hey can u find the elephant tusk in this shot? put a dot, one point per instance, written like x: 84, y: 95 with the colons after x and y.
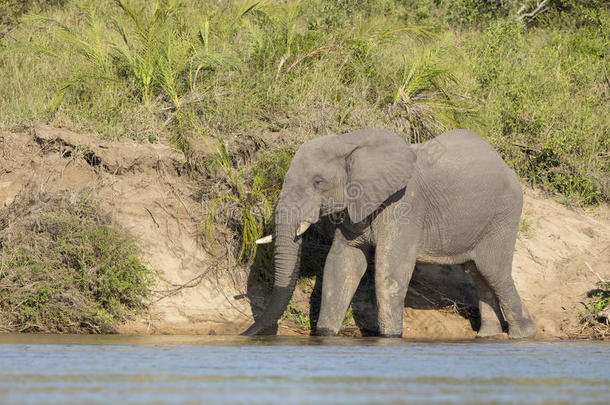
x: 265, y: 239
x: 302, y: 228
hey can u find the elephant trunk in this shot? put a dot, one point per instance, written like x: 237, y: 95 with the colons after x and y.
x: 286, y: 263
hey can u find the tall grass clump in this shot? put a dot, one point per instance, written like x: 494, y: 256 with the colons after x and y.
x: 242, y: 209
x: 244, y: 199
x: 422, y: 101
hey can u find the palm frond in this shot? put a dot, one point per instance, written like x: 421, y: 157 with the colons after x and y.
x: 422, y: 100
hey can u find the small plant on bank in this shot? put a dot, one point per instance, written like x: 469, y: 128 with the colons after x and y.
x: 526, y: 227
x: 595, y: 320
x: 297, y: 316
x: 349, y: 316
x: 601, y: 300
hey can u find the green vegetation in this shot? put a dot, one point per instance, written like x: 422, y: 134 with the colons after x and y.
x: 63, y: 268
x: 601, y: 301
x: 349, y: 316
x: 526, y: 228
x: 297, y: 316
x: 595, y: 320
x: 11, y: 10
x: 546, y: 109
x: 241, y: 207
x: 533, y: 82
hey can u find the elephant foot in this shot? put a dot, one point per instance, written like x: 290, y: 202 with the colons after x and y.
x: 391, y: 335
x: 491, y: 335
x: 252, y: 330
x: 489, y: 330
x: 524, y: 329
x: 324, y: 332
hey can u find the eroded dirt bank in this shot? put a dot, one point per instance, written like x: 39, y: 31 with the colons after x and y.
x: 149, y: 196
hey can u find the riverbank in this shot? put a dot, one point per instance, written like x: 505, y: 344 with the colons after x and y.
x: 148, y: 195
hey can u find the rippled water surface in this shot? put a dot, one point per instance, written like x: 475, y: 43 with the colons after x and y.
x: 207, y: 370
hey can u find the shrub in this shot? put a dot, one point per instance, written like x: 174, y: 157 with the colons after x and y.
x: 64, y: 268
x: 576, y: 13
x: 469, y: 12
x: 542, y: 105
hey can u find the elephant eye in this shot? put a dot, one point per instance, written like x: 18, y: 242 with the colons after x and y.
x: 318, y: 182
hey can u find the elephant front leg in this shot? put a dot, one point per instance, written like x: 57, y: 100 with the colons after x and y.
x: 344, y: 267
x: 393, y: 270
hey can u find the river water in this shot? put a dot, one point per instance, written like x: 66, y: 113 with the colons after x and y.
x: 55, y: 369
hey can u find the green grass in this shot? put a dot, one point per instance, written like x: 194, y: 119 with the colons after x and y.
x: 545, y: 106
x: 180, y: 69
x: 183, y: 70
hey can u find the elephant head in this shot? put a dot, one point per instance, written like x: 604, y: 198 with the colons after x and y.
x: 354, y: 172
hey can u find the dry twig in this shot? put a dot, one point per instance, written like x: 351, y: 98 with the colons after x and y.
x: 596, y: 273
x: 541, y: 6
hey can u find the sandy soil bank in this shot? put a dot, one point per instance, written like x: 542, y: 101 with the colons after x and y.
x: 150, y: 197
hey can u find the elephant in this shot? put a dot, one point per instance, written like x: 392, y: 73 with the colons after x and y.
x: 449, y: 200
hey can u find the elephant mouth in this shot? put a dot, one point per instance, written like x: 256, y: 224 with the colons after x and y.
x: 331, y: 208
x: 337, y: 217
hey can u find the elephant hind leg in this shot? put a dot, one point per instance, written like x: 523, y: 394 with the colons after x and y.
x: 494, y: 263
x: 492, y: 320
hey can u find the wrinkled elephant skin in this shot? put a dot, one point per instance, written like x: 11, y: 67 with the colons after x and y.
x: 450, y: 200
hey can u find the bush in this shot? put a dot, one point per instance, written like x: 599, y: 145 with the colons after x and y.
x: 544, y: 106
x: 469, y: 12
x: 63, y: 268
x: 596, y: 320
x: 577, y: 13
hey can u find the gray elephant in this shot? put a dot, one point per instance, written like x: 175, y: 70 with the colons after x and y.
x: 450, y: 200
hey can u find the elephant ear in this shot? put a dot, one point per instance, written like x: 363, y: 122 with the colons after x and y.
x: 376, y: 169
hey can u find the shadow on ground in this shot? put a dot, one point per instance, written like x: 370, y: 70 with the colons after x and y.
x: 432, y: 287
